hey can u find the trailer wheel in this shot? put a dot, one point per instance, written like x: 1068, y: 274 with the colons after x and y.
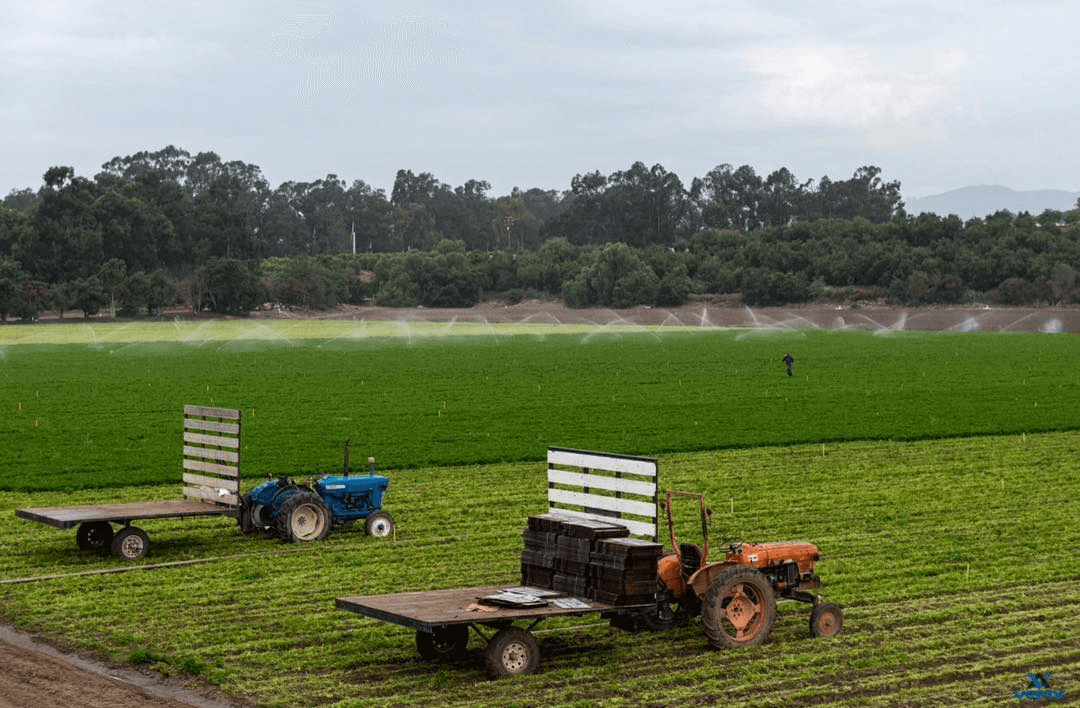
x: 380, y: 524
x: 826, y: 620
x: 511, y: 652
x: 739, y: 608
x: 130, y: 543
x: 94, y: 535
x: 304, y: 516
x: 444, y: 645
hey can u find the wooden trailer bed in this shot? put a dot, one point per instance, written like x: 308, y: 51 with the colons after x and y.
x: 430, y: 610
x: 583, y: 486
x: 211, y: 487
x: 66, y: 517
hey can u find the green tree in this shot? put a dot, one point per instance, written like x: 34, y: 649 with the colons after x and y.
x: 86, y: 294
x: 131, y: 228
x: 512, y: 224
x: 619, y: 278
x: 112, y: 275
x: 66, y: 242
x: 11, y: 279
x: 304, y: 281
x: 546, y: 271
x: 230, y: 287
x: 152, y: 291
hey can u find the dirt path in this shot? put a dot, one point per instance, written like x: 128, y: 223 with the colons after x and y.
x: 36, y: 674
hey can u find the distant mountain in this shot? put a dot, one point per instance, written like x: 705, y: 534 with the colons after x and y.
x: 983, y: 200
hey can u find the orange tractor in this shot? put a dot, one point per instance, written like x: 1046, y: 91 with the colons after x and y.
x: 736, y: 597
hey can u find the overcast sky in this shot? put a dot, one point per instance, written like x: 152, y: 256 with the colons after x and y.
x: 939, y: 94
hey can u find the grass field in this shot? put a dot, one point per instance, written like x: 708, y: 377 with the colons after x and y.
x: 955, y: 557
x: 104, y: 410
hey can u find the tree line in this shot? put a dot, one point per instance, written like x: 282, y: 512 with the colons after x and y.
x: 154, y: 229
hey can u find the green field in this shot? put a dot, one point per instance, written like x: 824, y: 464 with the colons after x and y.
x: 936, y: 472
x: 105, y: 410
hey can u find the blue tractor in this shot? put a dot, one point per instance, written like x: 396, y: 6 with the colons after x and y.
x: 306, y: 512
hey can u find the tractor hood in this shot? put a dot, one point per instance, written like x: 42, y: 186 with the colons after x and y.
x: 763, y: 555
x: 338, y: 485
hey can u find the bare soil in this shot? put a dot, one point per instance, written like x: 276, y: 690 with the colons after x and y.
x: 38, y: 674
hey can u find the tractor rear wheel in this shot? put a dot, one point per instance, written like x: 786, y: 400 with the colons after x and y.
x: 826, y: 620
x: 380, y: 524
x: 739, y: 608
x: 94, y: 535
x: 130, y: 543
x: 304, y: 516
x: 511, y: 652
x: 444, y: 645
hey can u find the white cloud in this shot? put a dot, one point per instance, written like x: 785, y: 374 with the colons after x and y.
x: 854, y: 89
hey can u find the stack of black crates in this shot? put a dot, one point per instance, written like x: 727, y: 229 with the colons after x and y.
x: 588, y: 558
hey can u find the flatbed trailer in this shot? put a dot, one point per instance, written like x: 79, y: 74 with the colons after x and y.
x: 211, y: 479
x: 442, y: 619
x: 584, y: 486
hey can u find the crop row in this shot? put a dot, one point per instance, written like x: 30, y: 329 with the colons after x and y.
x: 954, y: 559
x: 107, y: 414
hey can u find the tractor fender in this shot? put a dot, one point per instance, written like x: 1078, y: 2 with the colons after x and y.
x: 703, y: 578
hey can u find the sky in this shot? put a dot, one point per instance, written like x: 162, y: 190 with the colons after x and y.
x: 939, y: 94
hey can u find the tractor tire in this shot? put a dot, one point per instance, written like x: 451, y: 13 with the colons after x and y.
x: 246, y: 518
x: 130, y: 543
x: 380, y: 524
x: 739, y: 608
x: 444, y: 645
x: 94, y: 535
x: 512, y: 652
x: 303, y: 517
x: 826, y: 620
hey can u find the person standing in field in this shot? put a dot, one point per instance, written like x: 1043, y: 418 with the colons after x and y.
x: 789, y: 361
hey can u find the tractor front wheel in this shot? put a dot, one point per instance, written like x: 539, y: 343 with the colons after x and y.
x: 130, y: 543
x: 444, y: 645
x: 304, y: 516
x: 739, y: 608
x: 380, y: 524
x: 826, y: 620
x: 94, y: 535
x: 511, y: 652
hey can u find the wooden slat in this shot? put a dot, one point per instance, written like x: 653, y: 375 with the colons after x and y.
x: 596, y: 501
x: 210, y: 412
x: 601, y: 471
x: 233, y: 485
x: 211, y: 496
x: 643, y: 466
x: 595, y: 481
x: 211, y: 440
x: 208, y: 453
x: 223, y: 470
x: 638, y: 528
x: 212, y: 425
